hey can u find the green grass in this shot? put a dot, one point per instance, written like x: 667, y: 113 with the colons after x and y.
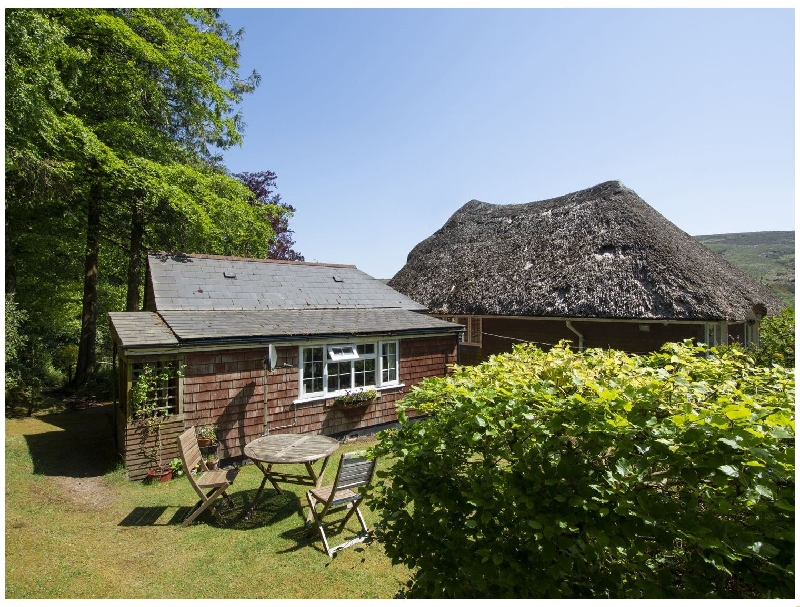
x: 77, y: 528
x: 766, y: 256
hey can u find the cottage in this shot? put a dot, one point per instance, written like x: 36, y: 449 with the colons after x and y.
x: 599, y: 267
x: 266, y: 346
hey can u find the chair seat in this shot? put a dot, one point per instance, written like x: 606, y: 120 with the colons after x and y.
x: 214, y: 482
x: 217, y: 478
x: 323, y: 494
x: 355, y: 471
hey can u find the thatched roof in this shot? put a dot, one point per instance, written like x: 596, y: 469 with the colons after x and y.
x: 597, y: 253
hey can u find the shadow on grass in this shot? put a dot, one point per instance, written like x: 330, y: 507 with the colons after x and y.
x: 350, y: 537
x: 83, y: 447
x: 236, y: 516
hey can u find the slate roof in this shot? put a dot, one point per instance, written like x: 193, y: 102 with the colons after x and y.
x: 141, y: 329
x: 207, y: 282
x: 195, y: 299
x: 602, y: 252
x: 285, y: 324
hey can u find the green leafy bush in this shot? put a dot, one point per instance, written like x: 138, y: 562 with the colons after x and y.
x: 601, y: 474
x: 776, y: 339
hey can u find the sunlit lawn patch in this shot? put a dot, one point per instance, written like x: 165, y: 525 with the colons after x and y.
x: 77, y: 528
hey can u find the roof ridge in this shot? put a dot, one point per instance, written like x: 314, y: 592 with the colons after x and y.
x: 255, y: 259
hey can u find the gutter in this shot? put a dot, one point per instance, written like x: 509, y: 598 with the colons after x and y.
x: 260, y: 342
x: 576, y: 332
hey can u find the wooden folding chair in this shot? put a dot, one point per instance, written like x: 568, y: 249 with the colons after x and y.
x: 355, y: 471
x: 211, y: 484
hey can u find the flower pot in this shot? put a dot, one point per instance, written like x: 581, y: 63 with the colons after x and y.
x: 212, y: 465
x: 161, y: 474
x: 203, y: 442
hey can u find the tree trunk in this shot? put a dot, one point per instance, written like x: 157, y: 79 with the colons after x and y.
x: 11, y: 266
x: 135, y: 258
x: 86, y: 349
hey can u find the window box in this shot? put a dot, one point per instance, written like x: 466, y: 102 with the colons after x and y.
x: 354, y: 399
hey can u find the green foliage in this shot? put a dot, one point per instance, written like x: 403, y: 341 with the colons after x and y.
x: 123, y: 109
x: 148, y: 408
x: 595, y: 474
x: 177, y: 466
x: 208, y: 431
x: 15, y: 342
x: 776, y: 339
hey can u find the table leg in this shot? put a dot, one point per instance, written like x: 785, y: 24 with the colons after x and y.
x: 318, y: 478
x: 267, y: 476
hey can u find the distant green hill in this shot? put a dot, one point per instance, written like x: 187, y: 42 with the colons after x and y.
x: 767, y: 256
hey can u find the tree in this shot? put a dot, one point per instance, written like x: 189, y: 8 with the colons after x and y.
x: 114, y: 117
x: 595, y: 474
x: 262, y: 184
x: 776, y: 339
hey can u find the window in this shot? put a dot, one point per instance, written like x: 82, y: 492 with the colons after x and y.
x: 716, y: 334
x: 332, y: 369
x: 473, y: 329
x: 165, y: 389
x: 389, y: 361
x: 338, y: 353
x: 313, y: 366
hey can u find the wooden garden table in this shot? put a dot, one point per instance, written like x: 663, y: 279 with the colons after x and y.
x: 306, y: 449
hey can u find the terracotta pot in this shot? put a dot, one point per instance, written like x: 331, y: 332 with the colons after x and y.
x: 203, y: 442
x: 212, y: 465
x: 162, y: 474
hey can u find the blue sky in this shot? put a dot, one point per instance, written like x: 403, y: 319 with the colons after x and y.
x: 381, y: 123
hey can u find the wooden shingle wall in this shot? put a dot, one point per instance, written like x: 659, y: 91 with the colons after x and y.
x: 227, y: 388
x: 136, y: 442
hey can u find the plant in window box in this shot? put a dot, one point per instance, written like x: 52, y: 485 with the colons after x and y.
x: 355, y: 398
x: 151, y: 413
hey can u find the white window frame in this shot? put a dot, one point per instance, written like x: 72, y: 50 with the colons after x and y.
x: 339, y: 353
x: 716, y: 334
x: 332, y: 355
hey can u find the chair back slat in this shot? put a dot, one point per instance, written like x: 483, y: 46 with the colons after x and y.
x: 190, y: 454
x: 355, y: 470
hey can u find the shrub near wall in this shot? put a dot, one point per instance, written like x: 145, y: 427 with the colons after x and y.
x: 601, y: 474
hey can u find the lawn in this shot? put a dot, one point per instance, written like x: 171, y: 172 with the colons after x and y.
x: 77, y: 528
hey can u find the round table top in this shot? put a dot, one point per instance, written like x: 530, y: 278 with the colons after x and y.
x: 291, y: 448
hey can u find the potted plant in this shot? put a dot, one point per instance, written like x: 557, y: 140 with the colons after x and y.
x: 206, y: 435
x: 152, y: 415
x: 177, y: 467
x: 211, y: 461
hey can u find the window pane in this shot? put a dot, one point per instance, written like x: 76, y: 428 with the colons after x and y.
x: 312, y: 370
x: 365, y: 372
x: 364, y: 349
x: 341, y: 353
x: 389, y: 362
x: 339, y: 376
